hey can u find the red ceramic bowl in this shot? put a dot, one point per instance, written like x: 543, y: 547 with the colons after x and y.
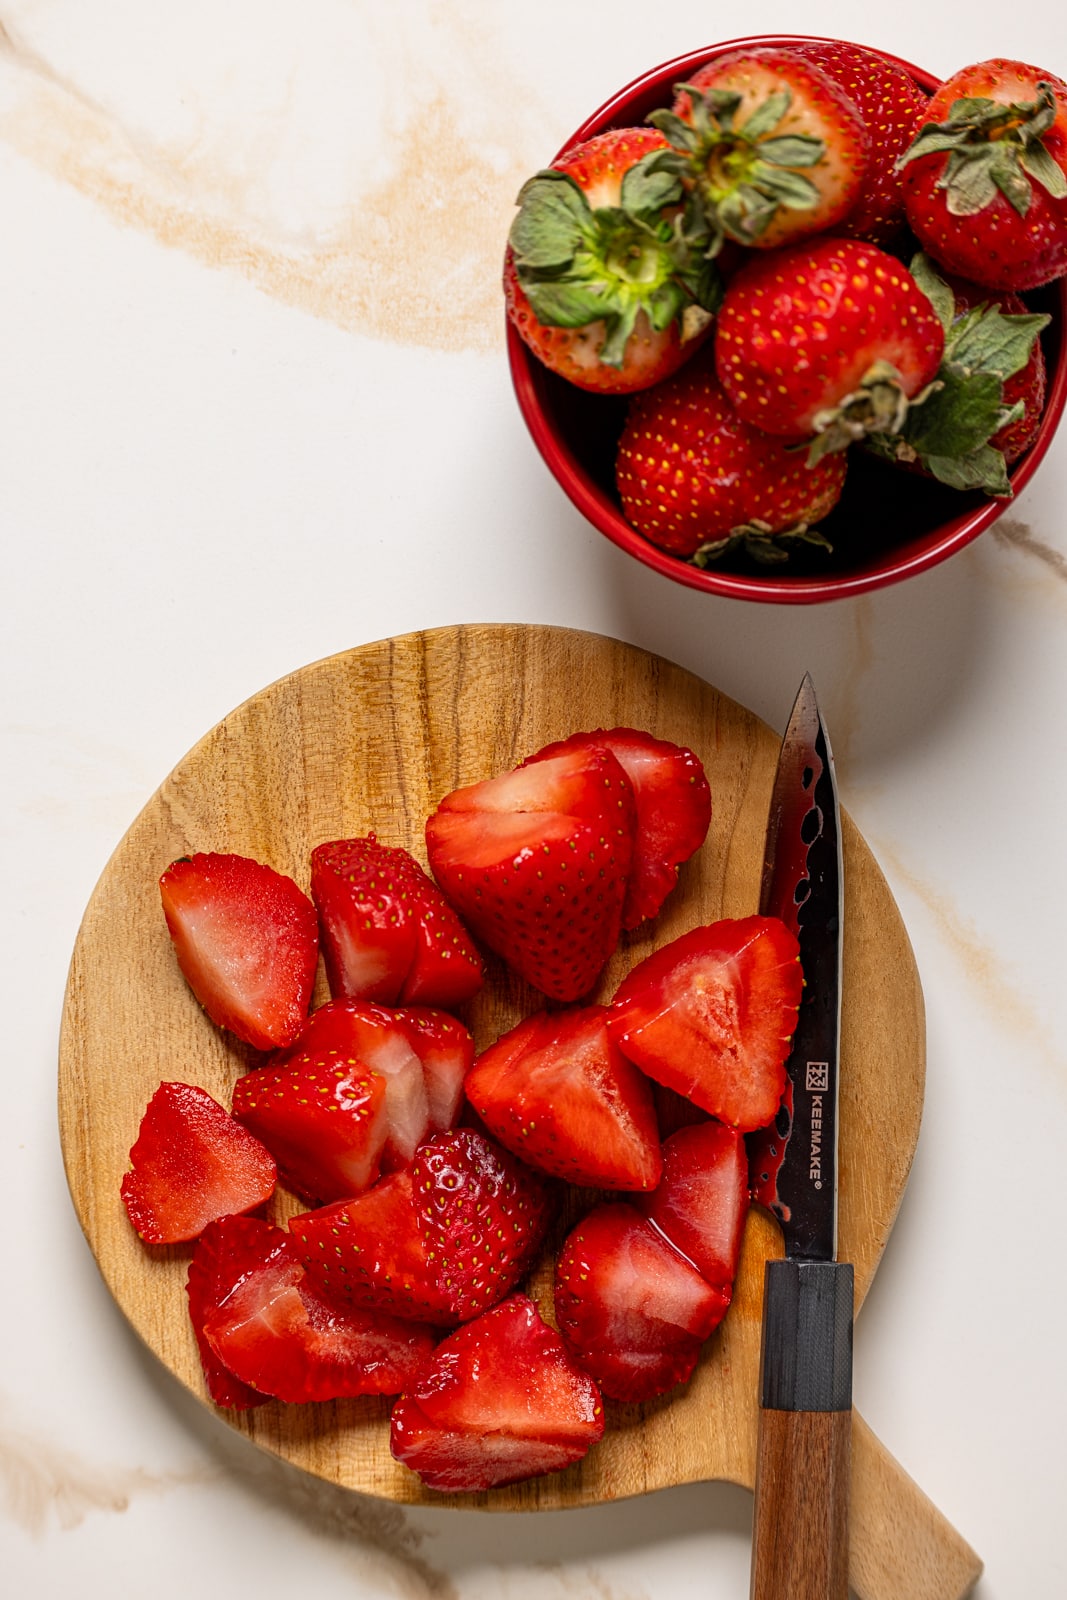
x: 888, y: 525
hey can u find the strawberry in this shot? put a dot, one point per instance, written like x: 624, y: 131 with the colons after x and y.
x: 558, y: 1093
x: 501, y: 1400
x: 985, y: 179
x: 322, y: 1117
x: 673, y: 803
x: 191, y: 1163
x: 277, y: 1337
x: 224, y: 1253
x: 388, y: 933
x: 601, y: 281
x: 701, y: 1202
x: 832, y: 338
x: 369, y: 1252
x: 771, y: 147
x: 631, y: 1309
x: 699, y: 481
x: 537, y: 862
x: 246, y: 939
x: 892, y: 106
x: 436, y: 1242
x: 482, y: 1216
x: 446, y: 1051
x: 711, y: 1015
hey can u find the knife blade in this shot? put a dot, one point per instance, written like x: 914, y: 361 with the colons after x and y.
x: 800, y: 1527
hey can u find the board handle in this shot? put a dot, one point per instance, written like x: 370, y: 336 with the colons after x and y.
x: 800, y: 1528
x: 901, y: 1547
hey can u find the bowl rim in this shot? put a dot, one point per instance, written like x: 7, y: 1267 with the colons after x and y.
x: 905, y: 560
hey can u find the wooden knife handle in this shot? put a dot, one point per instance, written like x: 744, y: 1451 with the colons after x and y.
x: 803, y: 1456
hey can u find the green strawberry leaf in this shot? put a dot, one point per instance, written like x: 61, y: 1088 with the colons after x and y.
x: 567, y: 305
x: 647, y: 190
x: 552, y: 223
x: 767, y: 115
x: 792, y: 150
x: 962, y: 414
x: 984, y: 468
x: 934, y: 288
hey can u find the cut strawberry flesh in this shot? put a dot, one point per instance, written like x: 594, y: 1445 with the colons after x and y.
x: 501, y: 1400
x: 701, y: 1202
x: 711, y: 1015
x: 631, y: 1309
x: 446, y: 1050
x: 192, y: 1163
x: 559, y: 1094
x: 322, y: 1117
x: 246, y: 939
x: 225, y: 1252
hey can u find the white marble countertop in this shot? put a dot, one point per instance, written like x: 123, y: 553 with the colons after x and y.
x: 256, y: 410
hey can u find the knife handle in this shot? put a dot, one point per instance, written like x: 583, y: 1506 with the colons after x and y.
x: 803, y: 1456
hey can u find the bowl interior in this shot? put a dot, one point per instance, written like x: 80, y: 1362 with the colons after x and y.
x: 888, y: 525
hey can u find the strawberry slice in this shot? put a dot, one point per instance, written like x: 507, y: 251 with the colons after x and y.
x: 673, y: 802
x: 225, y: 1252
x: 246, y: 939
x: 482, y: 1216
x: 369, y: 1252
x: 711, y: 1015
x: 322, y: 1116
x: 501, y: 1400
x: 388, y: 933
x: 191, y: 1163
x: 278, y: 1337
x: 631, y: 1309
x: 561, y: 1095
x: 702, y: 1200
x: 446, y: 1050
x: 537, y: 862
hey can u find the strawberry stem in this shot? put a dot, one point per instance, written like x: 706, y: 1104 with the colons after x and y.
x: 993, y: 147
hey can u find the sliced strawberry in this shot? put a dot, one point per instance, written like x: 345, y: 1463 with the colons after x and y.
x: 631, y: 1309
x: 711, y: 1015
x: 501, y: 1400
x: 673, y: 802
x: 560, y: 1094
x: 388, y: 933
x: 246, y: 939
x: 537, y: 861
x: 191, y: 1163
x: 369, y: 1252
x: 322, y: 1116
x: 278, y: 1337
x: 481, y: 1214
x: 225, y: 1253
x: 702, y: 1199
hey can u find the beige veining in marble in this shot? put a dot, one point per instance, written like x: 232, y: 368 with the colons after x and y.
x: 1017, y: 535
x: 380, y: 204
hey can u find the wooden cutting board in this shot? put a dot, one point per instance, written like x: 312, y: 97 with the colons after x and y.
x: 370, y: 740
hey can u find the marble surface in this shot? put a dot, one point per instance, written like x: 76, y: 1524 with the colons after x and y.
x: 256, y: 410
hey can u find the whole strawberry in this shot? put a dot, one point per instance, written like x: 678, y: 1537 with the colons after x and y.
x: 985, y: 181
x: 831, y: 337
x: 600, y: 279
x: 771, y: 148
x: 893, y: 108
x: 698, y: 480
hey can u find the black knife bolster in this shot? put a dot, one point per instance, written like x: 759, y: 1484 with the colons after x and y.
x: 806, y: 1358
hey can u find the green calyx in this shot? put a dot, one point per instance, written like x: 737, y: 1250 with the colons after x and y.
x: 878, y: 406
x: 741, y: 173
x: 758, y: 540
x: 993, y: 148
x: 578, y: 264
x: 947, y: 430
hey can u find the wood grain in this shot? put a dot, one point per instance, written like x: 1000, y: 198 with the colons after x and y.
x: 800, y: 1529
x: 370, y: 740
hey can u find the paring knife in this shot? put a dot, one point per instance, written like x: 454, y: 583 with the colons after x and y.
x: 800, y: 1533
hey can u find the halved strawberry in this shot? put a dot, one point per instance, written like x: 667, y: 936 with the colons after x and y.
x: 559, y: 1093
x: 701, y: 1202
x: 482, y: 1216
x: 537, y: 861
x: 280, y: 1338
x: 673, y: 803
x: 500, y: 1400
x: 388, y: 933
x: 631, y: 1309
x: 322, y: 1116
x: 711, y: 1015
x: 246, y: 939
x: 224, y: 1254
x: 191, y: 1163
x: 421, y: 1053
x: 369, y: 1252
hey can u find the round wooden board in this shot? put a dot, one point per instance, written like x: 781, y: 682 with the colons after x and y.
x: 370, y: 740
